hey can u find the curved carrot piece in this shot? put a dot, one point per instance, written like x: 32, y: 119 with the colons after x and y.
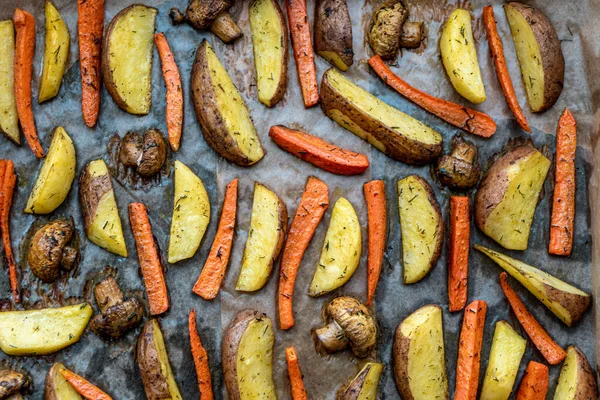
x: 8, y: 180
x: 377, y: 227
x: 458, y: 257
x: 84, y: 387
x: 296, y: 384
x: 469, y: 351
x: 534, y: 384
x: 200, y: 360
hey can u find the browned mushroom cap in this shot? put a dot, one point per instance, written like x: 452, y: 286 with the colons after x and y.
x: 49, y: 250
x: 386, y: 28
x: 130, y: 149
x: 209, y: 14
x: 412, y: 35
x: 154, y: 153
x: 12, y: 382
x: 459, y: 170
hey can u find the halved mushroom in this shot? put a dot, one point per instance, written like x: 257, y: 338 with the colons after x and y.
x: 50, y: 249
x: 146, y: 153
x: 12, y: 383
x: 459, y: 170
x: 130, y: 151
x: 209, y: 14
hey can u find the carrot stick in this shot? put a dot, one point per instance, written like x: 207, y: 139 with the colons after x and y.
x: 84, y: 387
x: 377, y: 216
x: 497, y: 51
x: 303, y: 51
x: 90, y: 24
x: 209, y: 282
x: 467, y: 119
x: 458, y: 258
x: 551, y: 351
x: 24, y: 51
x: 563, y: 203
x: 296, y: 383
x: 469, y: 351
x: 200, y: 360
x: 150, y: 265
x: 309, y: 213
x: 7, y: 189
x: 534, y: 385
x: 174, y: 93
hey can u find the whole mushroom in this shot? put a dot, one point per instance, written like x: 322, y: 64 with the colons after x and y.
x: 459, y: 170
x: 209, y: 14
x: 12, y: 383
x: 50, y: 249
x: 146, y: 153
x: 130, y: 152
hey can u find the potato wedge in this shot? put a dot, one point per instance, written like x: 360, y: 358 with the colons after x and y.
x: 221, y: 111
x: 539, y: 53
x: 507, y: 350
x: 459, y: 56
x: 577, y: 379
x: 341, y: 251
x: 56, y: 52
x: 508, y: 195
x: 9, y: 120
x: 422, y: 227
x: 268, y: 224
x: 43, y: 331
x: 248, y: 357
x: 270, y: 45
x: 127, y: 58
x: 99, y: 208
x: 364, y: 385
x: 419, y: 363
x: 391, y: 131
x: 153, y: 361
x: 56, y: 386
x: 54, y: 180
x: 333, y: 33
x: 191, y: 214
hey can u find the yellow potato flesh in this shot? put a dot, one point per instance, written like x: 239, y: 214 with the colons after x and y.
x: 566, y: 389
x: 56, y: 52
x: 9, y: 121
x: 371, y: 383
x: 63, y: 389
x: 163, y: 360
x: 333, y: 58
x: 45, y: 331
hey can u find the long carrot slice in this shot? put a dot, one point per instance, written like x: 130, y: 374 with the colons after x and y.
x: 467, y: 119
x: 377, y: 216
x: 200, y: 360
x: 303, y: 51
x: 310, y: 211
x: 563, y: 203
x: 469, y: 351
x: 84, y: 387
x: 150, y: 265
x: 24, y: 51
x: 458, y: 258
x: 318, y: 152
x: 551, y: 351
x: 296, y: 384
x: 174, y: 92
x: 534, y: 384
x: 497, y: 51
x: 90, y: 24
x: 209, y: 282
x: 8, y: 180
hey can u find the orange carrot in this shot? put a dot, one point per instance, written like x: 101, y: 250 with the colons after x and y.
x: 551, y: 351
x: 318, y: 152
x: 303, y: 51
x: 83, y: 387
x: 497, y: 51
x: 296, y: 383
x: 563, y: 203
x: 469, y: 351
x: 24, y: 51
x: 90, y: 24
x: 458, y: 258
x: 174, y: 92
x: 377, y: 216
x: 309, y: 213
x: 469, y: 120
x: 534, y: 385
x: 8, y: 180
x: 150, y: 265
x: 200, y: 360
x: 209, y: 282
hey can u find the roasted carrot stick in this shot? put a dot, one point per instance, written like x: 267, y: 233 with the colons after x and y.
x: 296, y: 383
x: 8, y: 179
x: 200, y: 360
x: 83, y: 387
x: 209, y: 282
x: 303, y: 51
x: 318, y: 152
x: 534, y: 385
x: 24, y: 51
x: 458, y: 258
x: 563, y: 203
x: 90, y: 24
x: 469, y: 120
x: 377, y: 216
x: 469, y: 351
x: 174, y: 91
x: 150, y: 265
x: 551, y: 351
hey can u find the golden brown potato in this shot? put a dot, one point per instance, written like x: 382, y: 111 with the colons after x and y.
x: 9, y: 121
x: 56, y: 386
x: 333, y: 33
x: 386, y: 29
x: 459, y: 170
x: 209, y: 14
x: 364, y: 385
x: 51, y: 248
x: 577, y: 380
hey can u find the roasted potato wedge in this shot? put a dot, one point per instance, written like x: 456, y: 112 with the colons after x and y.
x: 56, y: 386
x: 56, y: 52
x: 577, y: 380
x: 127, y: 58
x: 539, y: 53
x: 9, y: 120
x: 333, y: 33
x: 364, y: 385
x: 391, y: 131
x: 268, y: 224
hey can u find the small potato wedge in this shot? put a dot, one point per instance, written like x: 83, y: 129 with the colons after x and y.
x: 341, y: 251
x: 391, y: 131
x: 9, y: 120
x: 268, y: 224
x: 419, y: 363
x: 333, y: 33
x: 56, y: 53
x: 56, y: 386
x: 364, y: 385
x: 127, y: 58
x: 54, y: 180
x: 577, y: 380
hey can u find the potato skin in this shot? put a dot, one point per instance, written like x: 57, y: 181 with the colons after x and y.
x: 91, y: 190
x: 333, y: 31
x: 587, y: 388
x: 50, y: 387
x: 399, y: 354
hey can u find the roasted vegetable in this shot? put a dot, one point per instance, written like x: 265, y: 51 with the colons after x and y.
x: 12, y: 383
x: 364, y: 385
x: 459, y: 170
x: 412, y: 35
x: 386, y: 29
x: 9, y: 120
x: 209, y: 14
x: 51, y: 248
x: 56, y: 386
x: 56, y: 53
x: 84, y: 387
x: 577, y: 380
x: 333, y: 33
x: 147, y: 153
x: 297, y: 389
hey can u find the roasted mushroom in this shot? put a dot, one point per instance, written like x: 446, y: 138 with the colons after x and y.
x: 459, y: 170
x: 209, y: 14
x: 12, y: 383
x: 50, y: 249
x: 351, y: 324
x: 412, y: 35
x: 130, y: 152
x: 146, y: 153
x: 389, y: 30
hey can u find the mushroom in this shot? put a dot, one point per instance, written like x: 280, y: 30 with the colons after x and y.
x: 209, y: 14
x: 459, y: 170
x: 412, y: 35
x: 49, y: 250
x: 130, y: 151
x: 11, y: 384
x: 146, y: 153
x: 351, y: 324
x: 117, y: 315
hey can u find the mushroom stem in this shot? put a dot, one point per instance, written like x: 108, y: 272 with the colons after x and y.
x: 332, y: 337
x: 225, y: 28
x: 108, y: 294
x: 177, y: 17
